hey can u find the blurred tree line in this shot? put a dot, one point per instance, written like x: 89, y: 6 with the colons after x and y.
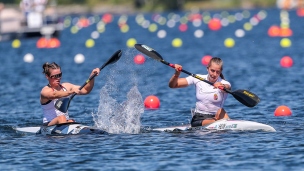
x: 161, y: 5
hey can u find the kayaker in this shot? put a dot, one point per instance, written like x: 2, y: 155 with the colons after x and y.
x: 209, y: 99
x: 54, y: 90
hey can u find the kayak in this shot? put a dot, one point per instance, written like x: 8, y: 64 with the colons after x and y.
x: 223, y: 124
x: 71, y: 128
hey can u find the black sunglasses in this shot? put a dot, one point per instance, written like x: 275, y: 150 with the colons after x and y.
x: 56, y: 76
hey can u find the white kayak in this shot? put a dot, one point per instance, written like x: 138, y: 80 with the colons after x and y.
x: 224, y: 124
x: 61, y: 129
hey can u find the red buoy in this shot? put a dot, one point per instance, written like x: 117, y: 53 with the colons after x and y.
x: 215, y: 24
x: 282, y: 111
x: 206, y: 59
x: 139, y: 59
x: 183, y: 27
x: 300, y: 12
x: 286, y: 62
x: 107, y: 18
x: 152, y: 102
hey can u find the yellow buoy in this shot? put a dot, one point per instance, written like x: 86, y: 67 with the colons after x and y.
x: 247, y: 26
x: 131, y: 42
x: 16, y: 43
x: 285, y: 42
x: 74, y: 29
x: 124, y: 28
x: 177, y: 42
x: 152, y: 27
x: 229, y: 42
x: 90, y: 43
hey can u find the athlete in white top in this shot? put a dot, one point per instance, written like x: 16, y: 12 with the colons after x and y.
x: 209, y: 99
x: 54, y: 90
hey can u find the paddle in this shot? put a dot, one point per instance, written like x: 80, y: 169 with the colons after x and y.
x: 244, y: 96
x: 63, y: 104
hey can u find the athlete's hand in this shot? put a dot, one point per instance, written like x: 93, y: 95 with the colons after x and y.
x: 219, y: 85
x: 178, y: 69
x: 96, y: 70
x: 74, y: 90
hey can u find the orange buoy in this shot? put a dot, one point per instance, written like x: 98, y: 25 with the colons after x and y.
x: 206, y: 59
x: 285, y: 32
x: 274, y: 31
x: 286, y: 62
x: 152, y: 102
x: 83, y: 22
x: 42, y: 42
x: 53, y: 43
x: 282, y: 111
x: 215, y: 24
x: 139, y: 59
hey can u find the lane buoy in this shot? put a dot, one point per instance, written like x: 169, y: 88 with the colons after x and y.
x: 286, y: 62
x: 139, y: 59
x: 282, y: 111
x: 229, y: 42
x: 206, y: 59
x: 79, y: 58
x: 28, y: 58
x: 53, y: 43
x: 131, y: 42
x: 215, y: 24
x: 152, y: 102
x: 16, y: 43
x: 285, y: 42
x: 177, y: 42
x: 90, y: 43
x: 274, y: 31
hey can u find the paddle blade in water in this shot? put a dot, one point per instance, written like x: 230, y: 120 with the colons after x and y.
x: 148, y: 51
x: 246, y: 98
x: 63, y: 104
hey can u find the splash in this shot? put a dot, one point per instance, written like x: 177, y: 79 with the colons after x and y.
x: 115, y: 117
x: 121, y: 103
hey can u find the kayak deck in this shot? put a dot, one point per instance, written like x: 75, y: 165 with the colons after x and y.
x: 224, y: 124
x: 61, y: 129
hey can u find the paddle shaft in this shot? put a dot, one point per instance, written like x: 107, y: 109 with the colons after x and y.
x: 193, y: 75
x: 244, y: 96
x: 88, y: 80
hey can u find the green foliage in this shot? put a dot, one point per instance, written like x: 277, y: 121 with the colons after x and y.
x: 162, y: 5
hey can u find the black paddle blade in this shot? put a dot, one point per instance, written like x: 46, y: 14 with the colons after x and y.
x: 148, y: 51
x: 246, y: 97
x: 63, y: 104
x: 114, y: 58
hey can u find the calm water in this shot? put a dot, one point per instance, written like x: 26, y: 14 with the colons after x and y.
x: 253, y: 64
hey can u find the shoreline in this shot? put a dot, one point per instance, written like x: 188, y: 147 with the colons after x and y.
x: 62, y: 10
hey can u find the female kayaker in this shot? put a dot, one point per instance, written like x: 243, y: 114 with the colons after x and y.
x: 54, y: 90
x: 209, y: 98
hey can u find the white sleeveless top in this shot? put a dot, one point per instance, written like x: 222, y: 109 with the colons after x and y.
x: 50, y: 112
x: 208, y: 98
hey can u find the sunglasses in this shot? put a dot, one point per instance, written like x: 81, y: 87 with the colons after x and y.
x: 56, y: 76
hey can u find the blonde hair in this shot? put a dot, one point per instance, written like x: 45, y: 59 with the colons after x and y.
x: 47, y: 66
x: 219, y: 62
